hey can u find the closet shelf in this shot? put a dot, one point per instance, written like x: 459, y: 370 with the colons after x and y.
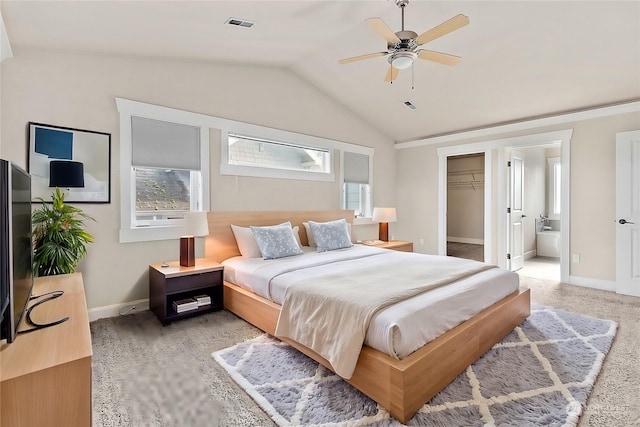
x: 466, y: 172
x: 474, y: 183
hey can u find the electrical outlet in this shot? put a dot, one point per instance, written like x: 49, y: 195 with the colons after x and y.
x: 421, y: 242
x: 576, y: 258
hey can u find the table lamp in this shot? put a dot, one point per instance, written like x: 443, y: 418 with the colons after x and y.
x: 196, y: 225
x: 384, y: 216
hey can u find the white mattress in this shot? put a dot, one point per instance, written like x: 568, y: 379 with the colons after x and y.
x: 397, y: 330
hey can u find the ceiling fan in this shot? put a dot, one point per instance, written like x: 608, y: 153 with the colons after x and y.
x: 403, y: 46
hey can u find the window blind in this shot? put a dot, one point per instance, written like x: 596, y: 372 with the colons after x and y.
x: 160, y: 144
x: 356, y: 168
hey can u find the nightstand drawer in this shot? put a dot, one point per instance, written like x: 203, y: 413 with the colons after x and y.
x: 193, y: 281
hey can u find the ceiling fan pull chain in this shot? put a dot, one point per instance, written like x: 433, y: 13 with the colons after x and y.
x: 413, y: 66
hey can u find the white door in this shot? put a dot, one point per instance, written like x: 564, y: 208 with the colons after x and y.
x: 514, y: 211
x: 628, y: 213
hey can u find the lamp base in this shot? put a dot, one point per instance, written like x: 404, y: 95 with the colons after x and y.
x: 187, y: 251
x: 383, y: 231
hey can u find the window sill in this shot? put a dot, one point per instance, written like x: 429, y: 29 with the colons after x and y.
x: 147, y: 234
x: 239, y: 170
x: 363, y: 221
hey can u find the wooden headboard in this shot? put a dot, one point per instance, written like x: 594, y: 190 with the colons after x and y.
x: 220, y: 244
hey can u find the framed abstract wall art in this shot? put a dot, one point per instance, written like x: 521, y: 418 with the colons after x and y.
x: 77, y: 161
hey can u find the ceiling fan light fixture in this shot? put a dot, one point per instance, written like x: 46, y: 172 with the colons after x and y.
x: 402, y: 60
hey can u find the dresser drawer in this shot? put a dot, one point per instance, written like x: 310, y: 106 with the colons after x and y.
x: 193, y: 281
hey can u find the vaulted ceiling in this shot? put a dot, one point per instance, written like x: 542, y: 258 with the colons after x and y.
x: 520, y: 59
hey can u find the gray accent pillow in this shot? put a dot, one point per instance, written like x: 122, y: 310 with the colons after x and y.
x: 276, y: 241
x: 330, y: 235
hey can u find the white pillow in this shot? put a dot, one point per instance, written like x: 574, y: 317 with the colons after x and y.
x: 310, y: 240
x: 276, y: 241
x: 296, y: 234
x: 247, y: 243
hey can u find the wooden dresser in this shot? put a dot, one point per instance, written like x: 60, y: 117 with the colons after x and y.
x: 45, y: 376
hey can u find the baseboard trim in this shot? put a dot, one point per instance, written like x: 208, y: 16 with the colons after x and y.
x: 530, y: 254
x: 605, y: 285
x: 465, y: 240
x: 115, y: 310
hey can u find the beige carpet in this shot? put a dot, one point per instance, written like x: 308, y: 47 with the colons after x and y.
x: 615, y: 399
x: 144, y: 374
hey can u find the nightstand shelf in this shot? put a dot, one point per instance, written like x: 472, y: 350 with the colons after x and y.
x: 173, y: 283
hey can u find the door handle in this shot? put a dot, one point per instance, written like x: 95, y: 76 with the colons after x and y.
x: 524, y: 216
x: 624, y: 221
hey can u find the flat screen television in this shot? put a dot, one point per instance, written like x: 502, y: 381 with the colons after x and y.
x: 16, y: 262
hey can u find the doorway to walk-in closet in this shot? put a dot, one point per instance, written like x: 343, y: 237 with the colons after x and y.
x: 465, y: 206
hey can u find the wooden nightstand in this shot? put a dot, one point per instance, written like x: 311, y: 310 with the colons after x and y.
x: 397, y: 245
x: 174, y: 283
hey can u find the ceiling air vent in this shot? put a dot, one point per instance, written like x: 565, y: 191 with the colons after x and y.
x: 240, y: 22
x: 410, y: 105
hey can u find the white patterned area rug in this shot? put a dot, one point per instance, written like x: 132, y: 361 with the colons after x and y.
x: 538, y: 375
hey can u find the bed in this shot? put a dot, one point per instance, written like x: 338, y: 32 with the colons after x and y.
x: 402, y: 382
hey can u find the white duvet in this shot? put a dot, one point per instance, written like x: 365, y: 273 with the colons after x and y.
x: 397, y: 330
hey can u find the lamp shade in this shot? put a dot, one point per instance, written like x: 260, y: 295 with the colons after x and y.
x: 197, y: 224
x: 66, y: 173
x: 384, y: 215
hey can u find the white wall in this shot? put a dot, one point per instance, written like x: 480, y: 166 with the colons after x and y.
x: 78, y: 91
x: 592, y: 199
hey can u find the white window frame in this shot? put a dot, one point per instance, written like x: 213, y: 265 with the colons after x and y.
x: 367, y: 151
x: 170, y: 229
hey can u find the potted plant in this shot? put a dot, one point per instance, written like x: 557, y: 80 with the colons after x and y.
x: 60, y: 240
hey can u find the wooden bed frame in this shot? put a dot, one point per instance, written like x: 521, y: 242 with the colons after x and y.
x: 400, y: 386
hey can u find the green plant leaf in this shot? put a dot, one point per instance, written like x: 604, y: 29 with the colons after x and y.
x: 59, y: 236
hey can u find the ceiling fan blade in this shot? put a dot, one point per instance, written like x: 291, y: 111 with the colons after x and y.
x: 382, y: 29
x: 445, y: 28
x: 391, y: 74
x: 442, y: 58
x: 361, y: 57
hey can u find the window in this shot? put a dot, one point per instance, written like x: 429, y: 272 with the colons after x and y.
x: 247, y: 151
x: 274, y: 158
x: 166, y: 154
x: 165, y: 165
x: 554, y: 187
x: 164, y: 195
x: 357, y: 183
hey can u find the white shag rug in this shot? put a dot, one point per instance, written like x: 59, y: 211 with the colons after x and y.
x: 539, y: 375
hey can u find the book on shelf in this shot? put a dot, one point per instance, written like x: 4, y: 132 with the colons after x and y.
x: 202, y: 300
x: 185, y: 305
